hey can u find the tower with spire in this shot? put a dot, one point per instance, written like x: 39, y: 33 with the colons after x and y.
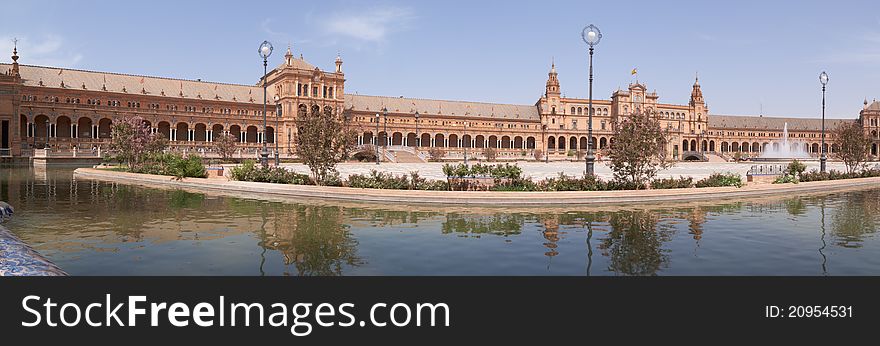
x: 338, y: 63
x: 552, y: 89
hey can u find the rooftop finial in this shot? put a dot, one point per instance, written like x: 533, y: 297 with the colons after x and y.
x: 15, y: 50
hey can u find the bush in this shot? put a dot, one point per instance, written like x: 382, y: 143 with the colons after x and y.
x: 785, y: 179
x: 815, y: 175
x: 796, y: 168
x: 721, y: 179
x: 563, y: 182
x: 500, y: 171
x: 672, y: 183
x: 383, y: 180
x: 173, y: 164
x: 249, y: 171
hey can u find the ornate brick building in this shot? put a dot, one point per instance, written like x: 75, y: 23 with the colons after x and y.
x: 68, y: 108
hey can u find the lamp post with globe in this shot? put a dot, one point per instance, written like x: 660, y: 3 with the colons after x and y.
x: 265, y: 51
x: 823, y: 78
x: 591, y: 36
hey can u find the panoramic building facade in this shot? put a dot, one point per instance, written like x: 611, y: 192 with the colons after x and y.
x: 69, y: 110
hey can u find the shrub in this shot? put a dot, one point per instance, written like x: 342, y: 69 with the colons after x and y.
x: 721, y: 179
x: 564, y: 182
x: 785, y: 179
x: 249, y: 171
x: 672, y: 183
x: 173, y: 164
x: 383, y: 180
x: 796, y: 168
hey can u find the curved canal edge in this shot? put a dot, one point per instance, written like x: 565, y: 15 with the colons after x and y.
x: 296, y: 193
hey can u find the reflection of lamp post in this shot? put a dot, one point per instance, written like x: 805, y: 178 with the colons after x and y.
x: 377, y: 138
x: 265, y: 51
x: 275, y: 130
x: 591, y: 35
x: 823, y: 78
x: 47, y: 134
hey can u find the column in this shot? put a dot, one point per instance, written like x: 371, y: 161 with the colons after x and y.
x: 433, y: 140
x: 445, y: 142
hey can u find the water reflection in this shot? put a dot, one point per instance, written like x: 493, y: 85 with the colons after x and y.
x: 91, y: 227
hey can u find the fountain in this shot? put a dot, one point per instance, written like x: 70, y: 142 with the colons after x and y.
x: 783, y: 150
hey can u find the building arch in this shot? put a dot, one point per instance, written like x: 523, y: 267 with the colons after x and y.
x: 201, y: 133
x: 235, y: 130
x: 411, y: 139
x: 62, y: 127
x: 216, y: 132
x: 84, y: 127
x: 466, y: 141
x: 712, y: 146
x: 724, y: 147
x: 426, y: 140
x: 562, y: 143
x: 164, y: 129
x: 530, y: 142
x: 104, y: 127
x: 270, y: 135
x: 551, y: 143
x: 438, y: 140
x: 684, y: 145
x: 480, y: 141
x: 453, y: 141
x: 396, y: 138
x: 603, y: 142
x: 250, y: 135
x: 518, y: 142
x: 182, y: 130
x: 505, y: 142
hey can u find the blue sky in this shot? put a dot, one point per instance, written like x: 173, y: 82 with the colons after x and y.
x: 749, y: 55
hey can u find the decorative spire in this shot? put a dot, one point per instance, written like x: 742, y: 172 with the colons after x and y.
x: 552, y: 88
x: 338, y: 63
x: 288, y: 57
x: 15, y: 57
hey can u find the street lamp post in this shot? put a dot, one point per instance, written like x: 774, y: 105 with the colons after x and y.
x: 265, y: 51
x: 385, y: 127
x: 823, y: 78
x: 377, y: 138
x: 48, y: 132
x: 546, y: 147
x: 468, y: 143
x: 591, y: 36
x: 418, y: 136
x: 278, y: 111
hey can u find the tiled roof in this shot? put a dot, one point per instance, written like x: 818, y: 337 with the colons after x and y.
x: 875, y: 106
x: 770, y: 123
x: 439, y: 107
x: 53, y: 77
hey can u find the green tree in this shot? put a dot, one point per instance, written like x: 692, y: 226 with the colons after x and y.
x: 852, y: 144
x: 323, y: 140
x: 639, y: 148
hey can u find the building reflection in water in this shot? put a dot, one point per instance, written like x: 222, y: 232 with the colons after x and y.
x: 81, y: 216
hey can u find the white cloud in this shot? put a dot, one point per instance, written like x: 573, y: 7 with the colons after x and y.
x: 268, y: 30
x: 372, y: 25
x: 49, y: 50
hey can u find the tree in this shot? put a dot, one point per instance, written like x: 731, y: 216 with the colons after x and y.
x: 323, y: 140
x: 490, y: 153
x: 436, y: 154
x: 133, y: 142
x: 226, y: 145
x: 854, y: 146
x: 639, y: 148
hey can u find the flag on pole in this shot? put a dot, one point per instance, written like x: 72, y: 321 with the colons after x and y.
x: 634, y: 72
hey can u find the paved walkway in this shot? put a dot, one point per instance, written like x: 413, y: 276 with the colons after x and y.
x: 540, y: 170
x: 297, y: 193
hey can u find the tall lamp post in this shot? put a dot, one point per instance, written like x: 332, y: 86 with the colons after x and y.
x: 278, y: 112
x: 418, y: 136
x: 377, y: 138
x: 547, y: 148
x: 385, y: 126
x: 591, y: 36
x: 465, y: 145
x: 265, y: 51
x: 823, y: 78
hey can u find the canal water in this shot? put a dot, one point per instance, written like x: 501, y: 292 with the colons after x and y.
x: 98, y: 228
